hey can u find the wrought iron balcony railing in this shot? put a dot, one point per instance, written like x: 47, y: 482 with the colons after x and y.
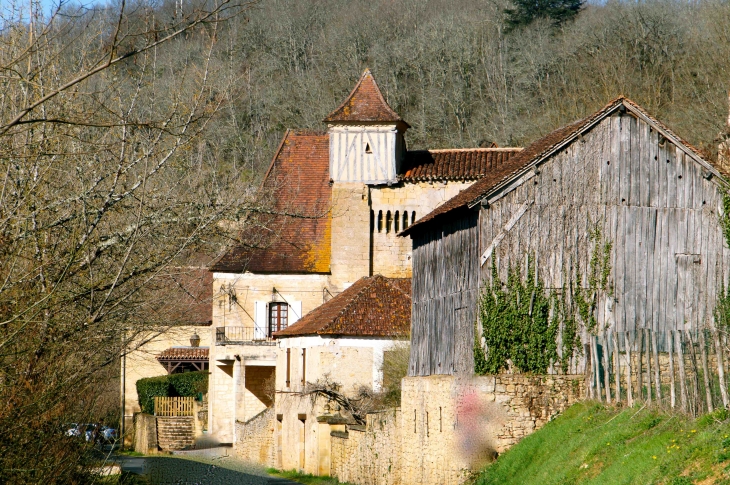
x: 243, y: 336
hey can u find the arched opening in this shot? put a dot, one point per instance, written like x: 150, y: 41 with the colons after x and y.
x: 380, y: 221
x: 388, y: 221
x: 367, y: 148
x: 405, y: 220
x: 397, y: 221
x: 413, y: 217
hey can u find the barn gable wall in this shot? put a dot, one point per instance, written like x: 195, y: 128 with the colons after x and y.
x: 649, y: 198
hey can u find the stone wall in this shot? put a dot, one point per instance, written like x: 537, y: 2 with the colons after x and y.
x: 175, y: 433
x: 370, y: 454
x: 255, y: 439
x: 145, y: 433
x: 448, y: 426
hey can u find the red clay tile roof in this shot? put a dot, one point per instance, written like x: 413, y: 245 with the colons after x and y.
x: 537, y: 151
x: 298, y: 237
x: 365, y: 103
x: 184, y: 354
x: 373, y: 306
x: 454, y: 164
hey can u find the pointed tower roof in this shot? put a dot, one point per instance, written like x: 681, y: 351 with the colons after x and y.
x: 365, y: 103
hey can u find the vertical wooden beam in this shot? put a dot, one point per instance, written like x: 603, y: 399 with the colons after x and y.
x: 682, y: 373
x: 617, y: 365
x: 705, y: 370
x: 720, y: 367
x: 629, y: 386
x: 657, y: 367
x: 696, y: 402
x: 639, y: 364
x: 606, y: 369
x: 670, y: 348
x: 648, y: 365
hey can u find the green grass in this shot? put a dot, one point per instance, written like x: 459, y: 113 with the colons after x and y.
x: 304, y: 478
x: 594, y: 444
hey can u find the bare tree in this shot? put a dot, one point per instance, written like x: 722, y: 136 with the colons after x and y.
x: 105, y: 181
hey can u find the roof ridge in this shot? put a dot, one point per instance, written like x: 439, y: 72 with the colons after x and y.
x: 478, y: 149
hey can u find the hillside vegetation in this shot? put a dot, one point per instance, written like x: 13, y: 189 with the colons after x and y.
x: 594, y: 444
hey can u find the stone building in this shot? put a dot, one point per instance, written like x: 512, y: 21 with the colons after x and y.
x: 341, y: 196
x: 342, y: 341
x: 180, y: 310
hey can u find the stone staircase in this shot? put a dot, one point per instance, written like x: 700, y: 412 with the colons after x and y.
x: 175, y: 433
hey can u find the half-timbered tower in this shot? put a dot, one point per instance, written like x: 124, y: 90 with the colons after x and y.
x: 651, y: 195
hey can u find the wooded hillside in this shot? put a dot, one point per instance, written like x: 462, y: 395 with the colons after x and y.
x: 452, y: 72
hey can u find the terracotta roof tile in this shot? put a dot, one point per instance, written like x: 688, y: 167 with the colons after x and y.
x: 365, y: 103
x: 456, y: 164
x: 299, y: 240
x: 373, y: 306
x: 184, y: 354
x: 535, y: 152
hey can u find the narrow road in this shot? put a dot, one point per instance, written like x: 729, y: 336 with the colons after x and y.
x: 161, y: 470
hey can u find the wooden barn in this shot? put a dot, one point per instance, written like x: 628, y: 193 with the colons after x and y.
x: 619, y: 172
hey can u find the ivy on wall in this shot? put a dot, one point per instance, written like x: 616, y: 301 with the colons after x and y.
x: 516, y: 325
x: 722, y: 308
x: 521, y: 319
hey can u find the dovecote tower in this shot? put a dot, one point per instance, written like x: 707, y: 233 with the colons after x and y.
x: 366, y: 137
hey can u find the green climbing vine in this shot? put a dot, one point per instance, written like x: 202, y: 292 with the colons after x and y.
x: 722, y: 308
x: 520, y: 319
x: 516, y: 324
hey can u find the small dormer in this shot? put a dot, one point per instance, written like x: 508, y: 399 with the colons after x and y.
x: 366, y: 136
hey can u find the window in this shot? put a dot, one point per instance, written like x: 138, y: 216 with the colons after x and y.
x: 288, y: 367
x: 304, y: 366
x: 413, y: 217
x: 397, y: 221
x: 278, y: 316
x: 367, y: 148
x: 388, y: 221
x: 380, y: 221
x: 405, y: 220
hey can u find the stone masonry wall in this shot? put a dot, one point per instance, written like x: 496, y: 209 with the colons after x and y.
x: 145, y: 433
x: 255, y: 439
x: 370, y: 454
x: 448, y: 426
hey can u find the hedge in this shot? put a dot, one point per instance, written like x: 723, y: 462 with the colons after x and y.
x: 185, y: 385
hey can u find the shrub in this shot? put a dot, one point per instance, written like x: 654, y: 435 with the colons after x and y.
x: 184, y: 385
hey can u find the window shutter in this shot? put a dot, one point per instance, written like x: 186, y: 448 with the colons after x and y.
x: 295, y: 312
x: 260, y: 313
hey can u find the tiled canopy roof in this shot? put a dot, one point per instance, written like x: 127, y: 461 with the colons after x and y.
x: 455, y: 164
x: 298, y: 238
x: 373, y: 306
x: 365, y: 103
x: 537, y: 151
x: 184, y: 354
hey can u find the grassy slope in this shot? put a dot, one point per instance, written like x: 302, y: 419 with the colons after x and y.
x: 593, y: 444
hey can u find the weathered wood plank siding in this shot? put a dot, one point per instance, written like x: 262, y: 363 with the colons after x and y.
x: 650, y: 199
x: 444, y: 292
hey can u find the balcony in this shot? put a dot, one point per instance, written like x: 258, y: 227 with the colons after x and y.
x: 243, y: 336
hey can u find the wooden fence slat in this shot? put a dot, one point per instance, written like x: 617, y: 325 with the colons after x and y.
x: 672, y: 391
x: 629, y: 386
x: 173, y: 406
x: 705, y: 371
x: 720, y: 367
x: 682, y: 374
x: 617, y: 365
x: 648, y: 365
x: 657, y: 367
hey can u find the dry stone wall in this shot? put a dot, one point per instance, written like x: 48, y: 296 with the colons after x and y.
x: 370, y: 454
x: 255, y: 439
x: 448, y: 426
